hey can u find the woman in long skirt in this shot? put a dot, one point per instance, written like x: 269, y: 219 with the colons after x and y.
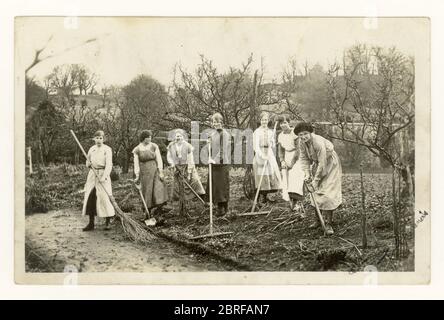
x: 267, y: 177
x: 98, y: 184
x: 321, y: 164
x: 180, y: 157
x: 148, y: 169
x: 220, y: 158
x: 292, y: 173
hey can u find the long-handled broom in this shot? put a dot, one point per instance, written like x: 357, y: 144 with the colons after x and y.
x: 130, y: 226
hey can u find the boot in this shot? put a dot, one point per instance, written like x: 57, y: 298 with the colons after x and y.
x: 220, y: 212
x: 90, y: 225
x: 329, y: 229
x: 328, y: 226
x: 107, y: 223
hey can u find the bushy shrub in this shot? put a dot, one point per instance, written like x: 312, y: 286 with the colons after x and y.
x: 115, y: 173
x: 37, y: 197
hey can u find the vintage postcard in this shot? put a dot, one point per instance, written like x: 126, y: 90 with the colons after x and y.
x: 228, y: 150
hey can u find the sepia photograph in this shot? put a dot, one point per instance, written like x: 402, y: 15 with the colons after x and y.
x: 222, y: 150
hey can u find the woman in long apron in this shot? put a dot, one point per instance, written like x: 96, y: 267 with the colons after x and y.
x: 292, y: 173
x: 220, y: 158
x: 148, y: 169
x: 267, y: 177
x: 322, y: 166
x: 98, y: 183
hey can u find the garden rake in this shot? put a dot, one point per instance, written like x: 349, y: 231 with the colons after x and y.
x: 252, y: 213
x: 184, y: 180
x: 210, y: 185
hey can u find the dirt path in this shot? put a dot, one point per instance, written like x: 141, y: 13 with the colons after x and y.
x: 55, y: 240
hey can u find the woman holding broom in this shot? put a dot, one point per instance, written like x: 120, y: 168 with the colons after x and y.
x: 292, y: 174
x: 98, y: 183
x: 322, y: 166
x: 265, y: 168
x: 180, y: 157
x: 148, y: 169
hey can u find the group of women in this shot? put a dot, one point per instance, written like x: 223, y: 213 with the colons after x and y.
x: 308, y: 162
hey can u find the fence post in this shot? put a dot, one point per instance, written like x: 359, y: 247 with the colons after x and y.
x: 30, y: 160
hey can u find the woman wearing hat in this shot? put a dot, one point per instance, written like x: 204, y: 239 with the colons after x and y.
x: 148, y: 169
x: 98, y: 183
x: 322, y: 166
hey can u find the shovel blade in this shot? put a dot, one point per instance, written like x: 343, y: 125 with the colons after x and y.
x: 150, y: 222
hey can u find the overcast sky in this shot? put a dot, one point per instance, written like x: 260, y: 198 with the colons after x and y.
x: 127, y: 47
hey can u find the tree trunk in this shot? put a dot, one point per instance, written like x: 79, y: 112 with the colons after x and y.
x: 395, y: 214
x: 364, y: 214
x: 127, y: 161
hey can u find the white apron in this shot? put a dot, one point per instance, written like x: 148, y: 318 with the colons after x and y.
x: 100, y: 158
x: 293, y: 179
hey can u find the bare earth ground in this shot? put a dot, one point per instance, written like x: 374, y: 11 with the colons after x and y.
x: 279, y: 241
x: 56, y: 240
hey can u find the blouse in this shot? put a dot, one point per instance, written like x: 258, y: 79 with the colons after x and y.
x: 149, y: 146
x: 101, y: 158
x: 317, y: 151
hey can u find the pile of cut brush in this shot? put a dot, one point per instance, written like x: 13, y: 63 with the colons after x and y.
x: 283, y: 241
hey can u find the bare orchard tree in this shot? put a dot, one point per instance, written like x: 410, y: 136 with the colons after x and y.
x: 371, y: 106
x: 235, y: 94
x: 371, y: 103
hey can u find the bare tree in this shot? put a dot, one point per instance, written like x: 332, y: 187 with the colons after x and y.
x: 125, y: 111
x: 86, y: 80
x: 38, y: 57
x: 372, y: 105
x: 235, y: 94
x: 372, y: 109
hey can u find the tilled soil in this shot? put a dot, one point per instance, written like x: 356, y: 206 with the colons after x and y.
x: 278, y: 241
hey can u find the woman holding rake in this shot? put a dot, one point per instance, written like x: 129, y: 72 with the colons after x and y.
x: 220, y: 159
x: 266, y: 170
x: 322, y: 166
x: 180, y: 157
x: 292, y: 174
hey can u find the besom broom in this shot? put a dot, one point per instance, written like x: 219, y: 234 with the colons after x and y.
x: 130, y: 226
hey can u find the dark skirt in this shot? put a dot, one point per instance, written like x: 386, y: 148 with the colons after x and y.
x: 91, y: 204
x: 220, y: 183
